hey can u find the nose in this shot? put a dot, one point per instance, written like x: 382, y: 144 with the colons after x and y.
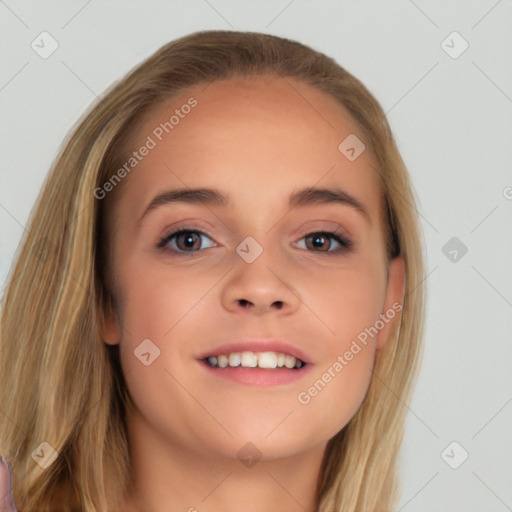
x: 259, y: 288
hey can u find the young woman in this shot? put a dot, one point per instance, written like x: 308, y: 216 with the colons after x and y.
x: 218, y: 304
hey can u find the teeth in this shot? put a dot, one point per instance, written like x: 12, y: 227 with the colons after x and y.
x: 249, y: 359
x: 289, y: 361
x: 234, y: 359
x: 267, y: 360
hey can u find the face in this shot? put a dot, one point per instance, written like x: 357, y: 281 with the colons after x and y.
x: 311, y: 274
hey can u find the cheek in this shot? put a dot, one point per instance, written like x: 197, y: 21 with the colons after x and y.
x: 349, y: 308
x: 346, y: 301
x: 157, y: 297
x: 159, y: 309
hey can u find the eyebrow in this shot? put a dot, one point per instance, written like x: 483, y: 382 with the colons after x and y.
x: 299, y: 198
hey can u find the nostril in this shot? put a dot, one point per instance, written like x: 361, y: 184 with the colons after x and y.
x: 245, y: 303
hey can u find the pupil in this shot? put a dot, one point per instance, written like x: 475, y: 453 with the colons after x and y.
x: 320, y: 239
x: 189, y: 240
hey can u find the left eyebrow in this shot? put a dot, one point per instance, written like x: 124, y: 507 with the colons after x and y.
x: 299, y: 198
x: 309, y: 196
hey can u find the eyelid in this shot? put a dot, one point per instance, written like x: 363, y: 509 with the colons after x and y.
x: 185, y: 225
x: 163, y: 239
x: 318, y: 226
x: 345, y: 243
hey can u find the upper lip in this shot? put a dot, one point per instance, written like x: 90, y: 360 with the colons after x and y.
x: 257, y: 345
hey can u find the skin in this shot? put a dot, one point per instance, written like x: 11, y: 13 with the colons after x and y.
x: 257, y: 141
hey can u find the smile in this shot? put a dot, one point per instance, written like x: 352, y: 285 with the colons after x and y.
x: 248, y: 359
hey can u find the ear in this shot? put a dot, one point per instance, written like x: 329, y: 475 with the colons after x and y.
x: 391, y: 311
x: 110, y: 329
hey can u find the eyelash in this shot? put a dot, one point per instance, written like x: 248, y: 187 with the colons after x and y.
x: 345, y: 244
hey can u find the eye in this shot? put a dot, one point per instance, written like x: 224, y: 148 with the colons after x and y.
x: 186, y: 241
x: 183, y: 241
x: 322, y: 239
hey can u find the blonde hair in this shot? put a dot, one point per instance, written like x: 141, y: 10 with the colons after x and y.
x: 61, y: 384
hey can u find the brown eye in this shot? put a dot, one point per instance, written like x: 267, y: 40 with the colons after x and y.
x: 322, y: 242
x: 318, y: 241
x: 185, y: 241
x: 188, y: 240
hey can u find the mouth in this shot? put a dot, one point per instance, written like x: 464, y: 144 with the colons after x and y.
x: 257, y: 362
x: 248, y: 359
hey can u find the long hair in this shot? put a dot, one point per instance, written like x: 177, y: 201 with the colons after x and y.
x: 62, y: 386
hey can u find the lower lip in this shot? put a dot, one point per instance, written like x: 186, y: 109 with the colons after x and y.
x: 258, y: 376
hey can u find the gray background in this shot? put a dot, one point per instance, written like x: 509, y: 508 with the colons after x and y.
x: 452, y: 119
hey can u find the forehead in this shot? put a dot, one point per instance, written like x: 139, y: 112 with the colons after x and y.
x: 255, y: 138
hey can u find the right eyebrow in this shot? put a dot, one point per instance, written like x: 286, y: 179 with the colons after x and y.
x: 206, y: 196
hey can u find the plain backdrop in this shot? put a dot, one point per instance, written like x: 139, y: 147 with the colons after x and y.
x: 448, y: 99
